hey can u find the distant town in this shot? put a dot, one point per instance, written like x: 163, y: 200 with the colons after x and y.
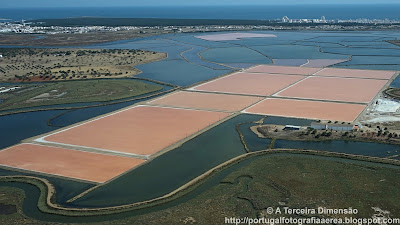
x: 285, y: 23
x: 286, y: 19
x: 27, y: 28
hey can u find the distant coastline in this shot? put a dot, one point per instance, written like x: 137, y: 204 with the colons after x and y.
x: 161, y: 22
x: 381, y: 11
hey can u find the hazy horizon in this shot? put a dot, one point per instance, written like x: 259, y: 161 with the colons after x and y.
x: 337, y: 11
x: 183, y: 3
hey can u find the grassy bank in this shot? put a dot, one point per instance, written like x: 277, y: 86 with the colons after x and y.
x: 393, y: 92
x: 44, y: 94
x: 295, y: 181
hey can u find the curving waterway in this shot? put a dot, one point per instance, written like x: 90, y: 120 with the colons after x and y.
x: 32, y: 192
x: 190, y: 61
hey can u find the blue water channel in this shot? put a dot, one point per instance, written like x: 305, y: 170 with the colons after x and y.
x: 219, y: 144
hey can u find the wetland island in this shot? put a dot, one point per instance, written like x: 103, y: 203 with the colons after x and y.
x: 255, y: 120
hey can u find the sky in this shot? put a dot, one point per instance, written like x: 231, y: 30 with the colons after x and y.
x: 102, y: 3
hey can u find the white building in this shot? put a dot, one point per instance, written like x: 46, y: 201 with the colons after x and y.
x: 286, y: 19
x: 291, y: 127
x: 336, y: 127
x: 340, y: 127
x: 318, y: 126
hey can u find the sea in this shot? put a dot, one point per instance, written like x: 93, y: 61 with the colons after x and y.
x: 380, y: 11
